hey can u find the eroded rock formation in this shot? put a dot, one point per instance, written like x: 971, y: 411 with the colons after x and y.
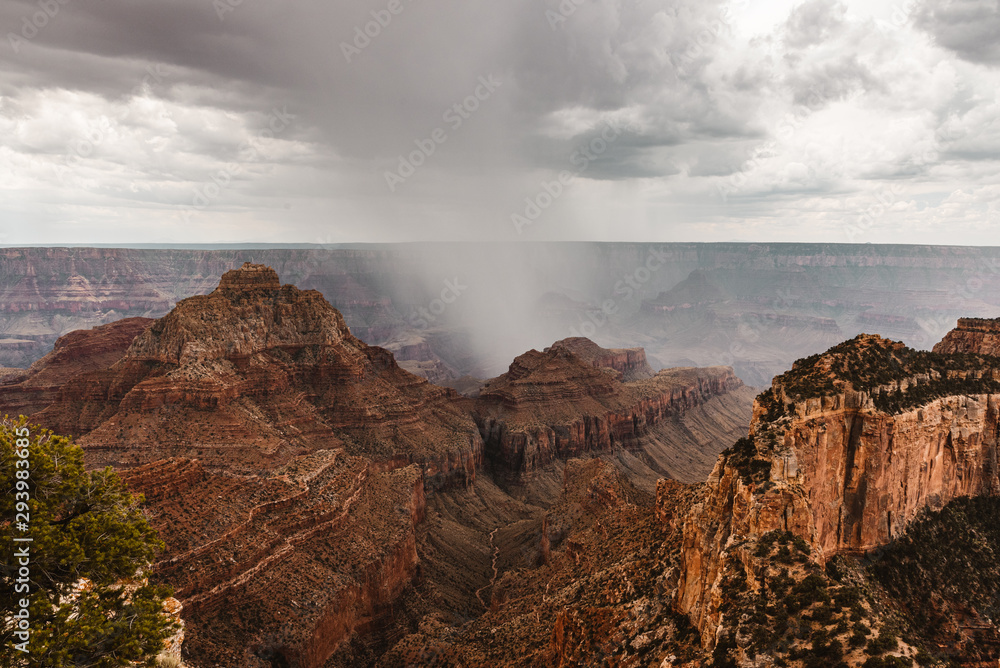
x: 289, y: 468
x: 29, y: 391
x: 251, y: 375
x: 844, y: 451
x: 979, y: 336
x: 327, y: 541
x: 557, y: 404
x: 630, y: 363
x: 284, y: 461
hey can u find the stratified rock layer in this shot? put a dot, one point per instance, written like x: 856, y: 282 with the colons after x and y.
x: 282, y: 567
x: 24, y: 392
x: 973, y: 335
x: 251, y: 375
x: 630, y: 363
x: 556, y: 405
x: 284, y: 461
x: 844, y: 451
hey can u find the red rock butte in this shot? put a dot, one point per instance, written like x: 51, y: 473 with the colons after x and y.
x: 250, y: 277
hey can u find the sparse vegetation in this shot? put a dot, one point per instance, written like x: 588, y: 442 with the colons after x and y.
x: 881, y: 368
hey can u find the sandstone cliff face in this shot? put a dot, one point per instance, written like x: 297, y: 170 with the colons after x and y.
x: 556, y: 404
x: 327, y: 541
x: 29, y: 391
x: 249, y: 376
x: 630, y: 363
x: 838, y: 471
x: 973, y: 335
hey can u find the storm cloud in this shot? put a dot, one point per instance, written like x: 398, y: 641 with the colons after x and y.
x: 397, y: 120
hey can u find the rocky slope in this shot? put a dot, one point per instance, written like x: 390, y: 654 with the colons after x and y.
x: 844, y: 452
x: 558, y: 404
x: 30, y: 391
x: 630, y: 363
x: 251, y: 375
x: 281, y: 568
x: 286, y: 464
x: 589, y: 594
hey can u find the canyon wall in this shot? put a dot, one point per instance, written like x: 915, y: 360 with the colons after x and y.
x: 755, y: 307
x: 845, y: 469
x: 320, y: 541
x: 973, y: 335
x: 557, y: 405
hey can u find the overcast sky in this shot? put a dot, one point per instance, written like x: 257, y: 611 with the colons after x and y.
x: 201, y: 121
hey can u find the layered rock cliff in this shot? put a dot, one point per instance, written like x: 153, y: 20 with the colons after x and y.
x: 249, y: 376
x: 630, y: 363
x: 285, y: 463
x: 556, y: 404
x: 844, y: 451
x: 279, y: 569
x: 978, y: 336
x: 30, y: 391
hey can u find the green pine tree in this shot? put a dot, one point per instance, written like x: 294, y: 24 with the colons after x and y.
x: 84, y: 526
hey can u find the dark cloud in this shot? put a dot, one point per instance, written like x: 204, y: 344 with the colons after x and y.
x: 970, y: 28
x: 152, y: 102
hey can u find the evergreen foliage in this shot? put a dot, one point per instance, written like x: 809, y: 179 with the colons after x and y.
x: 86, y: 527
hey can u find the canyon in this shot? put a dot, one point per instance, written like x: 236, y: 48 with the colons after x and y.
x: 304, y: 479
x: 324, y: 507
x: 755, y: 307
x: 844, y: 452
